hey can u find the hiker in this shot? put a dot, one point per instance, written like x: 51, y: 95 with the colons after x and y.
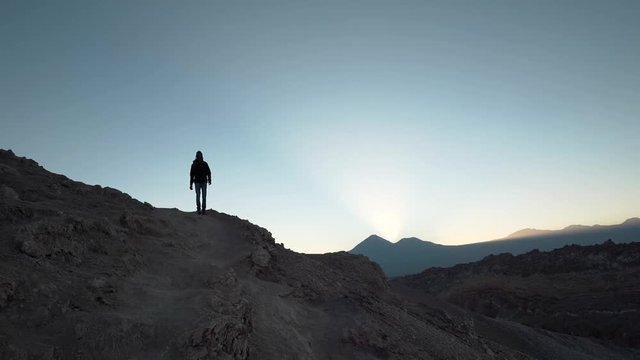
x: 200, y: 175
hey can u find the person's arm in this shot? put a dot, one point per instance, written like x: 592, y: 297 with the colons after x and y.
x: 208, y: 174
x: 191, y: 178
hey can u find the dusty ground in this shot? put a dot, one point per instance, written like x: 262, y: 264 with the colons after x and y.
x: 86, y: 272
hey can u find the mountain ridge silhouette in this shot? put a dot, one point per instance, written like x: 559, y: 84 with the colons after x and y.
x: 413, y: 255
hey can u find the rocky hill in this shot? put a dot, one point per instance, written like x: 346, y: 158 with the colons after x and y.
x: 412, y: 255
x: 87, y: 272
x: 591, y: 291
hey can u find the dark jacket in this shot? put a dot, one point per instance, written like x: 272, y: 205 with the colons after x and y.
x: 200, y: 172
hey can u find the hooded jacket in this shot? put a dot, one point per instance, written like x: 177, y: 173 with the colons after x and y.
x: 200, y: 172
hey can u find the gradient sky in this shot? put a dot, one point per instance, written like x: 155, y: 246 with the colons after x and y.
x: 326, y: 121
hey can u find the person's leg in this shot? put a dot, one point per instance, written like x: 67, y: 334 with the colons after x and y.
x: 204, y: 197
x: 198, y: 197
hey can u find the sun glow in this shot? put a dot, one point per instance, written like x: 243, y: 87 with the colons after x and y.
x: 379, y: 205
x: 365, y: 169
x: 386, y: 221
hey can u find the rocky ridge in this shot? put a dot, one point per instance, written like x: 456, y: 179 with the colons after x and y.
x: 87, y: 272
x: 589, y: 291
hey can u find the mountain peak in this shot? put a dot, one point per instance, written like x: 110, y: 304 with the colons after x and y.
x: 372, y: 242
x: 410, y: 239
x: 632, y: 222
x: 414, y: 240
x: 576, y: 228
x: 528, y: 232
x: 373, y: 238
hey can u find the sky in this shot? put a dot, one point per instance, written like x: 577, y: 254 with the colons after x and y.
x: 327, y: 121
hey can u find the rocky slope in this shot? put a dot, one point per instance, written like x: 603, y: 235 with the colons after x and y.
x: 87, y: 272
x: 591, y: 291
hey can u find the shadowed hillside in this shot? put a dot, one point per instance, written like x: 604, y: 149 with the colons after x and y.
x: 580, y: 290
x: 87, y: 272
x: 412, y: 255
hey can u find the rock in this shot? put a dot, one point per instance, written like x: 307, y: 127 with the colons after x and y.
x: 7, y: 290
x: 39, y: 317
x: 32, y: 248
x: 8, y: 170
x: 260, y: 257
x: 225, y: 337
x: 26, y: 162
x: 99, y: 283
x: 80, y: 329
x: 8, y: 194
x: 7, y: 153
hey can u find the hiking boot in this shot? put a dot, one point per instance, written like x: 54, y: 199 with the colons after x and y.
x: 202, y: 212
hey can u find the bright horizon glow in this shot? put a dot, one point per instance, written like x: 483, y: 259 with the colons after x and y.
x: 498, y: 237
x: 325, y: 122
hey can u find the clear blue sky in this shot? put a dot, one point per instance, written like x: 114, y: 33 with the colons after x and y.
x: 326, y: 121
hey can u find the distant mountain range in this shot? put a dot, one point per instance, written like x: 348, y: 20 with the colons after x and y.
x: 412, y: 255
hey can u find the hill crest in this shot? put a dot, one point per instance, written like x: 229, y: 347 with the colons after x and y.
x: 88, y: 272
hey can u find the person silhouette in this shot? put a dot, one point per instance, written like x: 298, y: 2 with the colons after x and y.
x: 200, y: 175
